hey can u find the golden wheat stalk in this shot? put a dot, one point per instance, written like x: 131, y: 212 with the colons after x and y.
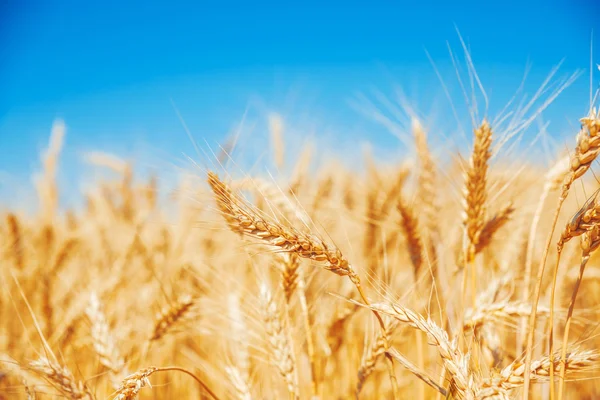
x: 588, y: 147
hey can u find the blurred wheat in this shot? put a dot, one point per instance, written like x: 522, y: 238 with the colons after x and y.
x: 233, y: 296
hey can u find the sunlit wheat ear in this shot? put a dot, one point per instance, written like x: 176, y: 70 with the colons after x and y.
x: 336, y: 328
x: 588, y: 147
x: 292, y: 281
x: 103, y: 340
x: 279, y: 339
x: 61, y: 378
x: 242, y: 218
x: 475, y: 190
x: 288, y: 264
x: 242, y: 391
x: 455, y: 362
x: 172, y: 316
x: 29, y: 390
x: 583, y: 221
x: 513, y: 375
x: 395, y: 190
x: 15, y: 240
x: 131, y: 385
x: 410, y: 226
x: 493, y: 225
x: 372, y: 354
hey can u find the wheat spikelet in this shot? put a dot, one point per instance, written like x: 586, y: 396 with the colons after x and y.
x: 172, y: 315
x: 288, y: 265
x: 410, y: 226
x: 132, y: 384
x: 583, y: 221
x: 372, y: 354
x: 335, y: 330
x: 103, y: 340
x: 393, y: 192
x: 280, y: 342
x: 588, y: 147
x: 455, y: 362
x: 513, y: 376
x: 492, y: 226
x: 243, y: 218
x: 15, y: 239
x: 61, y: 378
x: 61, y: 257
x: 475, y: 192
x: 240, y: 385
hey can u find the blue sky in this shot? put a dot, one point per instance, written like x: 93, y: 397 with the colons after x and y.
x: 110, y: 69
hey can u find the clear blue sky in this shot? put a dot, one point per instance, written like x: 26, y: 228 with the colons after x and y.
x: 109, y: 68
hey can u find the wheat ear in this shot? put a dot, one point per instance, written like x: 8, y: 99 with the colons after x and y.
x: 103, y: 340
x: 588, y: 147
x: 172, y: 315
x: 475, y: 200
x: 454, y: 361
x: 132, y: 384
x: 242, y: 218
x: 513, y: 375
x: 282, y: 349
x: 61, y: 378
x: 240, y: 385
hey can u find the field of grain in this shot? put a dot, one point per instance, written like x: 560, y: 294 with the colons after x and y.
x: 417, y: 279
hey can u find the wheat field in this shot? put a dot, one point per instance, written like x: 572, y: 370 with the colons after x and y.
x: 416, y: 279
